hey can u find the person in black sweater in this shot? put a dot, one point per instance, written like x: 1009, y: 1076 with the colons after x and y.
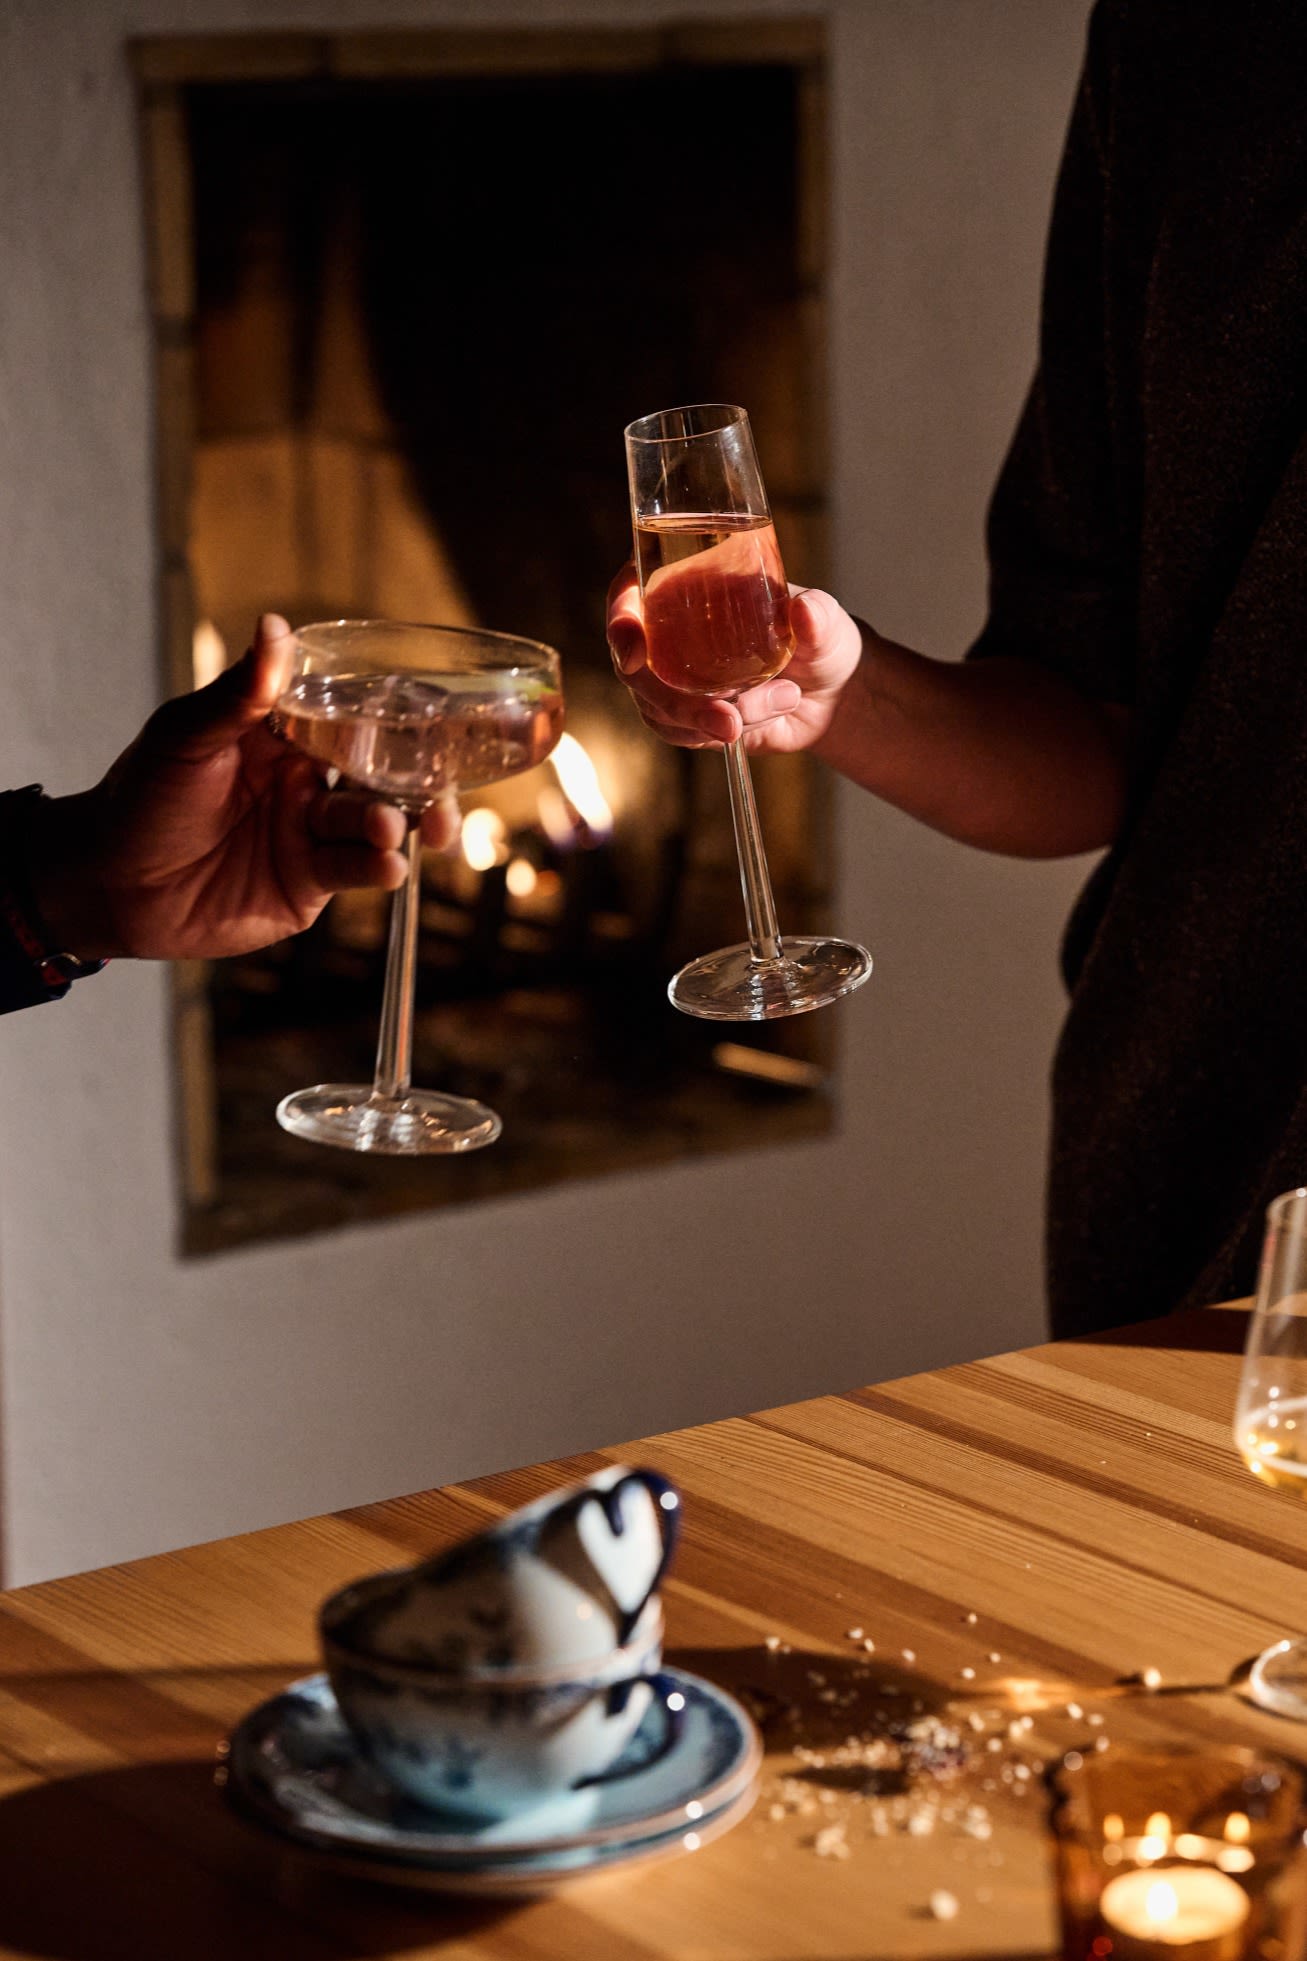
x: 209, y: 836
x: 1140, y: 685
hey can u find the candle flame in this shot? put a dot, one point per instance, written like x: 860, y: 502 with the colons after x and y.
x: 1237, y: 1828
x: 1113, y: 1827
x: 1235, y: 1858
x: 1161, y: 1903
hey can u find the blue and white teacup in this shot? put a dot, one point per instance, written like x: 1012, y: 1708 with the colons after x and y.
x: 487, y: 1743
x: 518, y: 1665
x: 563, y: 1580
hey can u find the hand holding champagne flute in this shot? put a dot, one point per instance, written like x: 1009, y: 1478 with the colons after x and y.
x: 412, y: 713
x: 717, y: 621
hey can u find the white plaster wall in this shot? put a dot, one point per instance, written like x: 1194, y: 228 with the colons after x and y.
x: 148, y: 1402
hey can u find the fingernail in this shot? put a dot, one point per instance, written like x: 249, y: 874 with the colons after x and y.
x: 782, y: 697
x: 626, y: 651
x: 271, y: 626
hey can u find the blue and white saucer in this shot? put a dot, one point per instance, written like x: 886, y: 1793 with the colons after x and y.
x: 293, y: 1767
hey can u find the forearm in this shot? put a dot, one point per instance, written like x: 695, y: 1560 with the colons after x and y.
x: 996, y: 753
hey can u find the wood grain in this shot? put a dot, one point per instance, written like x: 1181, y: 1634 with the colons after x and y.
x: 1077, y: 1511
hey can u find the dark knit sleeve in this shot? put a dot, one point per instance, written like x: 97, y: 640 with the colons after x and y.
x: 20, y: 983
x: 1059, y: 574
x: 31, y: 970
x: 23, y: 984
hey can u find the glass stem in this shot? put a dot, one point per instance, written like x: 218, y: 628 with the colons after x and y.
x: 395, y: 1043
x: 759, y: 906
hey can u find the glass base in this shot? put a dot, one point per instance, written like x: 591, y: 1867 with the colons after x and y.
x: 421, y: 1123
x: 733, y: 986
x: 1278, y: 1679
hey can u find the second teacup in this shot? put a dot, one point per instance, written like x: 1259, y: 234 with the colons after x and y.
x: 561, y: 1581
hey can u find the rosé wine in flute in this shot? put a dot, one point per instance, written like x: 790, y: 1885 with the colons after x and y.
x: 717, y: 620
x: 412, y: 737
x: 716, y: 605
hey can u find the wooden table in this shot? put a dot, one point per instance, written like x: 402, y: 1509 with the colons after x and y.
x: 1020, y: 1538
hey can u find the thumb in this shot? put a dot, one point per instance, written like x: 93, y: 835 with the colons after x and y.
x: 201, y: 723
x: 824, y: 632
x: 626, y: 622
x: 814, y: 616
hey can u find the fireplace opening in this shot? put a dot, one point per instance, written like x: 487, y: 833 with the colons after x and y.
x: 407, y: 292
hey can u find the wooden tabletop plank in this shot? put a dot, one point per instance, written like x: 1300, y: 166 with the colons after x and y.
x: 1016, y: 1539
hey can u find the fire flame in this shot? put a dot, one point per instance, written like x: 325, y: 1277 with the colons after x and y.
x: 572, y: 810
x: 580, y: 782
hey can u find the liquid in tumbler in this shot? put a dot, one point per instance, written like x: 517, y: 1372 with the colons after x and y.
x: 1273, y: 1441
x: 409, y: 738
x: 716, y: 605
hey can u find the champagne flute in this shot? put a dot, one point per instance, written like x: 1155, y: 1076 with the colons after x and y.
x: 717, y: 621
x: 1270, y: 1423
x: 410, y: 713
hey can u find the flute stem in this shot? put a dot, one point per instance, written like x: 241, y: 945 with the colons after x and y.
x: 759, y: 906
x: 395, y: 1043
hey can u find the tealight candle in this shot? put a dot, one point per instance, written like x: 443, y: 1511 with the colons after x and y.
x: 1180, y: 1855
x: 1191, y: 1908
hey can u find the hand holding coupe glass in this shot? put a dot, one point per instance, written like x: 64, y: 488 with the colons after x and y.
x: 410, y: 713
x: 207, y: 838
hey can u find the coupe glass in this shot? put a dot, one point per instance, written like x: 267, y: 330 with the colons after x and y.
x: 1270, y: 1424
x: 717, y: 621
x: 410, y: 713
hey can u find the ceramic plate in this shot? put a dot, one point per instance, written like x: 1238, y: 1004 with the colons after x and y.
x: 293, y: 1766
x: 526, y: 1877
